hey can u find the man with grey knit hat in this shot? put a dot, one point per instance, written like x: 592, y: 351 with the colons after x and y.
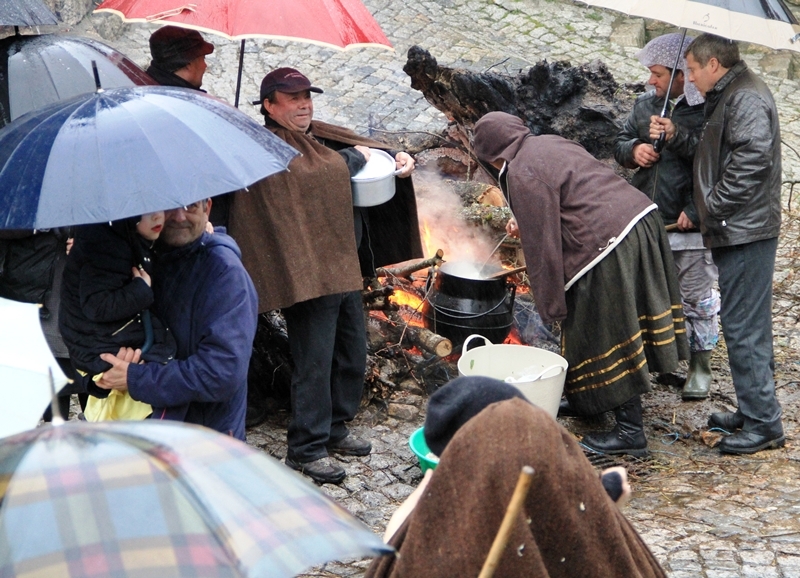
x: 666, y: 177
x: 179, y: 57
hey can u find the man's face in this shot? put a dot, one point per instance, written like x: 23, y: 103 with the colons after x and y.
x: 704, y: 77
x: 293, y: 111
x: 194, y: 71
x: 659, y: 78
x: 185, y: 225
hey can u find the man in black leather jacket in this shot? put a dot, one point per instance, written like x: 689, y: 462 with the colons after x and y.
x: 737, y: 182
x: 666, y: 178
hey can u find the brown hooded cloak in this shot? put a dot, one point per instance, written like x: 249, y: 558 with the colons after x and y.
x: 568, y: 526
x: 599, y: 261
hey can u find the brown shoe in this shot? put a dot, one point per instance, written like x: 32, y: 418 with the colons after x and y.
x: 324, y: 470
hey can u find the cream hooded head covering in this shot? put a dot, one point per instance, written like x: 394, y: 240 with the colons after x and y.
x: 663, y: 51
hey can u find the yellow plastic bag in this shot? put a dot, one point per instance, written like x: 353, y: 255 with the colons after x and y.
x: 117, y: 406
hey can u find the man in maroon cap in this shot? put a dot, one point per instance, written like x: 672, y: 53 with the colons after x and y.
x: 296, y: 232
x: 179, y: 57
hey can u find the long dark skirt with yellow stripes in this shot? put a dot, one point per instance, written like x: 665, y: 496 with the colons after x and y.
x: 624, y: 320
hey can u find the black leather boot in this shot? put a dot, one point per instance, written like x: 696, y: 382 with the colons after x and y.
x: 627, y: 437
x: 729, y: 421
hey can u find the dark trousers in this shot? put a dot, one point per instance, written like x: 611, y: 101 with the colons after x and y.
x: 327, y: 338
x: 745, y: 282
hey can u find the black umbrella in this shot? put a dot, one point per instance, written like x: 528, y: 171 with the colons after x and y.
x: 42, y: 69
x: 25, y: 13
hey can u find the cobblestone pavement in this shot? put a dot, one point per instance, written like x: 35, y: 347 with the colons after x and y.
x: 703, y: 515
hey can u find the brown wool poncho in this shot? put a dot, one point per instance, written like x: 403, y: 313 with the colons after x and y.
x: 295, y: 228
x: 568, y: 527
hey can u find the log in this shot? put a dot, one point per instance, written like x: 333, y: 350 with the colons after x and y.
x: 423, y: 338
x: 582, y: 103
x: 406, y: 269
x: 429, y: 341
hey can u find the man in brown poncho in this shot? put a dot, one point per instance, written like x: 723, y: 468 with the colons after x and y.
x: 299, y: 240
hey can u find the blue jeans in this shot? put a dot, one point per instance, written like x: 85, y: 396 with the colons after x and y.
x: 745, y: 282
x: 327, y: 338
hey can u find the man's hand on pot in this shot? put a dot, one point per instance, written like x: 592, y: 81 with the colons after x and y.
x: 405, y: 162
x: 644, y: 155
x: 363, y: 150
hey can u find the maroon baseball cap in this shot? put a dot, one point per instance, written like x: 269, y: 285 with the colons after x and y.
x: 287, y: 80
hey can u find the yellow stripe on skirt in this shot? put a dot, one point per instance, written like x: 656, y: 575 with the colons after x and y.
x: 624, y: 320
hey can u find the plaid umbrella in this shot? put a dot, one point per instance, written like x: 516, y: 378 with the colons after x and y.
x: 161, y: 500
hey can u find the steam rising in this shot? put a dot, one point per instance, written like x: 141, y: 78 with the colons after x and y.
x: 442, y: 225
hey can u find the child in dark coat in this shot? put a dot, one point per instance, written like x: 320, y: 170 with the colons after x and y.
x: 106, y: 296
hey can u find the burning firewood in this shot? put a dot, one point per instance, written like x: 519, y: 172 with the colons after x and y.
x: 405, y: 269
x: 422, y: 338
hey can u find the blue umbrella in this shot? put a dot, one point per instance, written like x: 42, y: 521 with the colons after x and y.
x: 128, y: 151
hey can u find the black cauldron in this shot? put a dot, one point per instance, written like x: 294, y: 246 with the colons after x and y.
x: 461, y: 301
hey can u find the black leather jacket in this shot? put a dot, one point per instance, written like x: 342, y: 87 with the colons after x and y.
x: 737, y: 165
x: 669, y: 182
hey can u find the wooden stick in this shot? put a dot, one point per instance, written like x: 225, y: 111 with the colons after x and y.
x: 501, y: 539
x: 672, y: 227
x: 506, y: 272
x: 406, y: 269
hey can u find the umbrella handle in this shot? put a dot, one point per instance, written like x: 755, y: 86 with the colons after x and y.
x: 501, y: 539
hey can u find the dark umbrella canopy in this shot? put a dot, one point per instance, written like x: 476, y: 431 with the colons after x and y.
x: 128, y: 151
x: 26, y: 13
x: 38, y: 70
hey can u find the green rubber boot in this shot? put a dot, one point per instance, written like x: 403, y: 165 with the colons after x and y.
x: 698, y: 380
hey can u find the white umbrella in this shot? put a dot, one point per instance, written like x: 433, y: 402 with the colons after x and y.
x: 766, y: 22
x: 26, y: 366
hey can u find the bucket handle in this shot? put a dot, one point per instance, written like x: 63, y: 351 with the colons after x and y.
x: 473, y: 336
x: 530, y: 379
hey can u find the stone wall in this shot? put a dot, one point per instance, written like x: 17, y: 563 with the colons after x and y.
x: 71, y: 11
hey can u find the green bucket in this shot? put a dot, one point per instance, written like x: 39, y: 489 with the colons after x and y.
x: 427, y: 460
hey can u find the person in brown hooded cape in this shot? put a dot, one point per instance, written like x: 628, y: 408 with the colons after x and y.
x: 569, y: 525
x: 600, y: 264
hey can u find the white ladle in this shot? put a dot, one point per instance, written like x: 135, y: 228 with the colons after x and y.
x: 533, y: 376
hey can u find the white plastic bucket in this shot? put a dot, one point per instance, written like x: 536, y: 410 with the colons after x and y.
x: 547, y: 370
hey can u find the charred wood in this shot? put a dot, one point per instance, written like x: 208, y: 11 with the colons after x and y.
x: 582, y: 103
